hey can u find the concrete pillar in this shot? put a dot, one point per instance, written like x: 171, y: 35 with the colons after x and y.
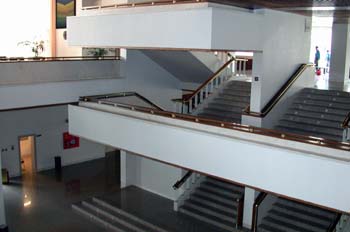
x: 340, y: 53
x: 2, y: 204
x: 249, y: 198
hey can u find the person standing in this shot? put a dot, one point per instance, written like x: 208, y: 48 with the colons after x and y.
x: 328, y: 60
x: 317, y: 57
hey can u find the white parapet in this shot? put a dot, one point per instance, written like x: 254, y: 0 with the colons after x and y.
x: 297, y: 170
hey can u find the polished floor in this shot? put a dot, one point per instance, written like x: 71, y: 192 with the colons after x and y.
x: 42, y: 202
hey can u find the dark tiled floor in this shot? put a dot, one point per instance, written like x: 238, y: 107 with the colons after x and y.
x: 50, y: 208
x: 51, y: 199
x: 157, y: 210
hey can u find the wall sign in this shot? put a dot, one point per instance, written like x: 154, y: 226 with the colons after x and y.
x: 70, y: 141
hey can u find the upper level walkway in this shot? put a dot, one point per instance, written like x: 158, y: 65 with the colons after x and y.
x: 267, y: 160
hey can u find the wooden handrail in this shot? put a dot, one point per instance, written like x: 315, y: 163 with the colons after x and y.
x: 215, y: 75
x: 51, y: 59
x: 95, y: 98
x: 333, y: 226
x: 345, y: 123
x: 140, y: 4
x: 256, y: 206
x: 280, y: 93
x: 180, y: 182
x: 345, y: 146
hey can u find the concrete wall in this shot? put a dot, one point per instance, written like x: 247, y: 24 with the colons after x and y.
x: 48, y: 124
x: 2, y: 205
x: 286, y: 45
x: 147, y: 78
x: 20, y: 73
x: 150, y: 175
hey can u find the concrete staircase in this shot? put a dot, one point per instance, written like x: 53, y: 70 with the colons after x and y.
x: 290, y: 216
x: 228, y: 104
x: 317, y: 113
x: 113, y: 218
x: 214, y: 202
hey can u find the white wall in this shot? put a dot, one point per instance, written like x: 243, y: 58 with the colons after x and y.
x: 301, y: 171
x: 147, y: 78
x: 151, y: 175
x: 156, y: 84
x: 143, y: 29
x: 56, y: 92
x: 2, y: 205
x: 50, y: 124
x: 62, y: 47
x: 286, y: 45
x: 20, y: 73
x: 340, y: 57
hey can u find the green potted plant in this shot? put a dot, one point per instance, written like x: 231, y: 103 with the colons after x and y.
x: 36, y: 46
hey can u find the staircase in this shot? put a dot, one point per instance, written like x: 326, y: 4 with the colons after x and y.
x: 318, y: 113
x: 214, y: 202
x: 113, y: 218
x: 228, y: 103
x: 287, y: 215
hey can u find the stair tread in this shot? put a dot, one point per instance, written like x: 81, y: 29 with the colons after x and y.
x: 300, y: 211
x: 288, y: 216
x: 308, y: 133
x: 209, y: 218
x: 323, y: 115
x: 207, y: 202
x: 301, y: 124
x: 102, y: 220
x: 286, y: 225
x: 226, y: 187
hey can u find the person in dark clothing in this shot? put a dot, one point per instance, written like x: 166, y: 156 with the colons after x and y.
x: 317, y: 57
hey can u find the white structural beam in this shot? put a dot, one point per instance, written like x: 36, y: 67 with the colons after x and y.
x: 340, y: 53
x: 301, y: 171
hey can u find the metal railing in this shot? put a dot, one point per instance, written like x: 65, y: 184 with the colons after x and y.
x: 280, y: 93
x: 256, y: 206
x: 191, y: 101
x: 346, y: 129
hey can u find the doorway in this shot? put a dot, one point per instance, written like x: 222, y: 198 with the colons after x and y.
x: 27, y: 155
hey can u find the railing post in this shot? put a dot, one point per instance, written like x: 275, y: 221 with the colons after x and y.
x: 240, y: 202
x: 244, y: 67
x: 190, y: 105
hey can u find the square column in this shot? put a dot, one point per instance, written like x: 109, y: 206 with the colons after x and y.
x: 340, y: 53
x: 249, y: 199
x: 2, y: 204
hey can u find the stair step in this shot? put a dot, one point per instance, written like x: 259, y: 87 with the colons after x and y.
x: 299, y: 211
x: 208, y: 218
x: 298, y: 219
x: 311, y: 128
x: 239, y: 83
x: 233, y: 118
x: 326, y: 92
x: 215, y: 197
x: 313, y: 121
x: 308, y: 208
x: 322, y: 103
x: 233, y: 98
x: 228, y: 105
x: 117, y: 218
x: 318, y: 109
x: 229, y: 95
x: 100, y: 219
x: 268, y: 228
x: 224, y: 184
x: 220, y: 190
x: 311, y: 114
x: 224, y: 109
x: 211, y: 211
x: 224, y: 101
x: 124, y: 214
x: 214, y: 204
x: 285, y: 226
x: 308, y: 133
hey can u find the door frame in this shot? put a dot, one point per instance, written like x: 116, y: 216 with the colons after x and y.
x: 34, y: 156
